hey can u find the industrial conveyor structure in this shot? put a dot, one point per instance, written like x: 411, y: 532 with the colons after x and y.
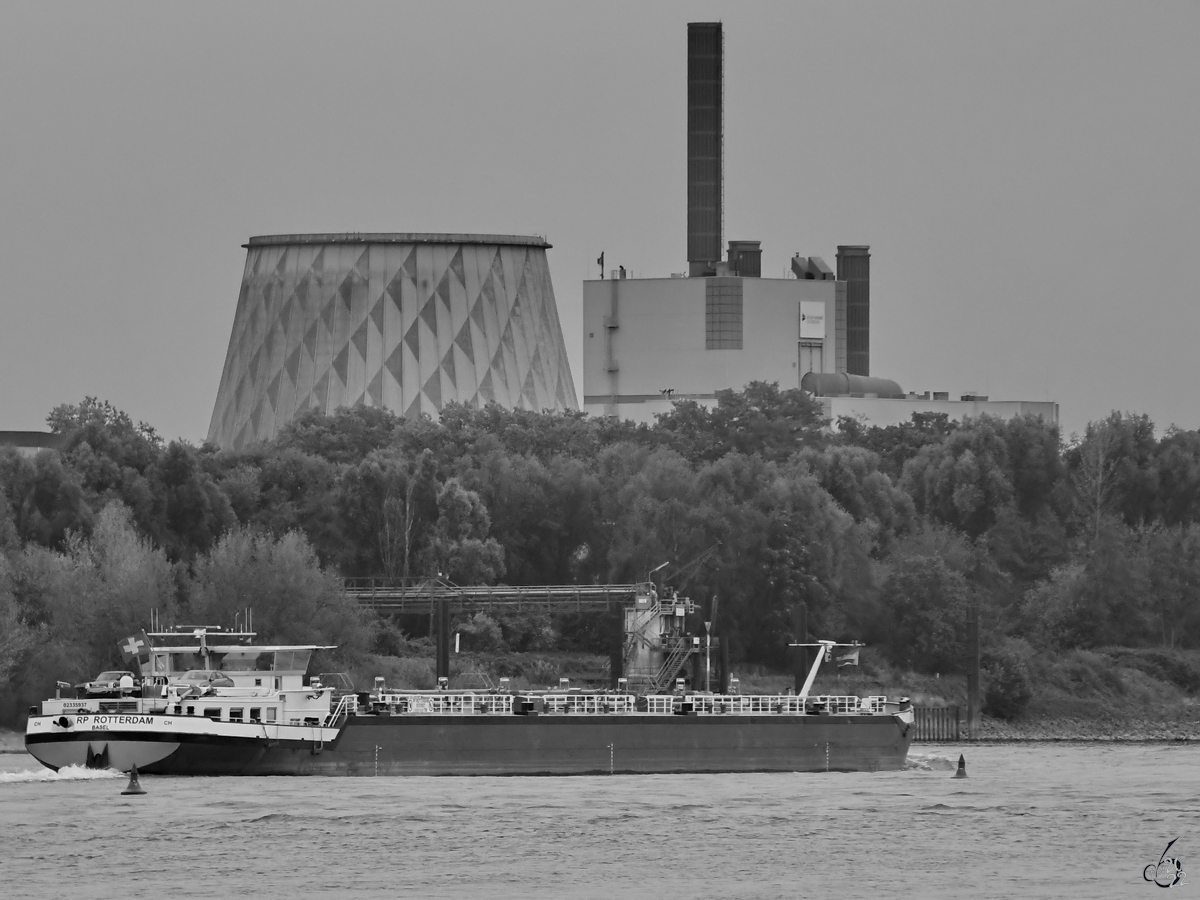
x: 661, y: 636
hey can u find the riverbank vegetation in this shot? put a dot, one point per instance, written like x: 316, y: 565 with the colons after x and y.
x: 886, y: 535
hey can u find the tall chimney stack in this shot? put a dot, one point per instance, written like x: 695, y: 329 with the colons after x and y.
x: 704, y: 140
x: 854, y: 268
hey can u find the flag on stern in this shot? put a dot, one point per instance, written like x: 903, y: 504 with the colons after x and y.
x: 136, y: 647
x: 849, y: 659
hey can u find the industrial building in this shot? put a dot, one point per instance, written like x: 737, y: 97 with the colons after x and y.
x: 407, y: 322
x: 31, y: 443
x: 649, y: 342
x: 882, y: 402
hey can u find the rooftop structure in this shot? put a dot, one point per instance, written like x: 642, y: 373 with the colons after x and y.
x: 30, y: 443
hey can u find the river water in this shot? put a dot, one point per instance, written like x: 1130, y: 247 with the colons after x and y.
x: 1031, y: 820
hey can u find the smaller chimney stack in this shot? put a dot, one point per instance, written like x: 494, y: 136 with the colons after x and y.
x: 854, y: 268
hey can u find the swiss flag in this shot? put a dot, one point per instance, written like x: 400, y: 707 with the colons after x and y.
x: 136, y: 647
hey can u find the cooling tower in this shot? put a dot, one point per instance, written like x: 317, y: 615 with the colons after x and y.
x: 408, y: 322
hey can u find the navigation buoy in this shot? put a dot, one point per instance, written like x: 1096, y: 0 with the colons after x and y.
x: 962, y: 767
x: 134, y: 787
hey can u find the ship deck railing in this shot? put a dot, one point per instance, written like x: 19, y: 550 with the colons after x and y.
x: 764, y: 704
x: 587, y: 704
x: 469, y: 703
x: 347, y: 705
x: 453, y: 703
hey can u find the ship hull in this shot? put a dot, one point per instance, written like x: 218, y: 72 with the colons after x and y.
x: 501, y: 745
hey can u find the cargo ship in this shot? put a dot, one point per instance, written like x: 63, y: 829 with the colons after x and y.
x: 210, y: 702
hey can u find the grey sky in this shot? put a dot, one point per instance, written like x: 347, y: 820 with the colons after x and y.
x: 1026, y: 174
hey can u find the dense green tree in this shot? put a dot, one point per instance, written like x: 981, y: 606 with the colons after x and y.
x: 283, y: 490
x: 1006, y: 668
x: 1114, y: 471
x: 110, y: 457
x: 1173, y: 574
x: 190, y: 511
x: 1035, y: 467
x: 1053, y: 612
x: 17, y: 638
x: 805, y: 549
x: 1101, y: 598
x: 852, y: 476
x: 82, y: 602
x: 652, y: 500
x: 964, y: 481
x: 388, y: 503
x: 44, y: 497
x: 459, y: 547
x: 295, y: 600
x: 111, y: 435
x: 544, y: 515
x: 761, y: 419
x: 542, y: 436
x: 122, y: 576
x: 1177, y: 460
x: 347, y: 436
x: 1027, y: 549
x: 9, y: 539
x: 896, y: 444
x: 927, y: 602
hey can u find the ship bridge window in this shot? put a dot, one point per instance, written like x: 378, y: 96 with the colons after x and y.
x: 239, y: 660
x: 191, y: 710
x: 235, y: 714
x: 292, y: 660
x: 213, y: 712
x: 270, y: 713
x: 184, y: 662
x: 255, y: 713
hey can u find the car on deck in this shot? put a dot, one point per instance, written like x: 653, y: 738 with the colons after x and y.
x: 103, y: 685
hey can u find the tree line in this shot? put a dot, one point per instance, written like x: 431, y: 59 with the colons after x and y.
x: 883, y: 534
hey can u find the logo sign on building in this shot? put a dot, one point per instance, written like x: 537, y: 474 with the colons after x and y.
x: 812, y: 320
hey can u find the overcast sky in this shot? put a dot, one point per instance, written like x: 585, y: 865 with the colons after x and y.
x: 1025, y: 173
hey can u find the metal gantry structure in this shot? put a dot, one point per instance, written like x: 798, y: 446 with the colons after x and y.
x: 439, y: 599
x: 412, y: 595
x: 638, y: 617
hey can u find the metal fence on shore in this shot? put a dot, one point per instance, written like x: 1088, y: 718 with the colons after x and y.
x: 937, y: 723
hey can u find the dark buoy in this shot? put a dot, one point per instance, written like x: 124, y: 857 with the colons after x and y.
x: 134, y: 787
x: 962, y: 767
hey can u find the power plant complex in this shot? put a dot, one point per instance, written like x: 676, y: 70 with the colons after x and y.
x: 650, y: 342
x: 410, y: 322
